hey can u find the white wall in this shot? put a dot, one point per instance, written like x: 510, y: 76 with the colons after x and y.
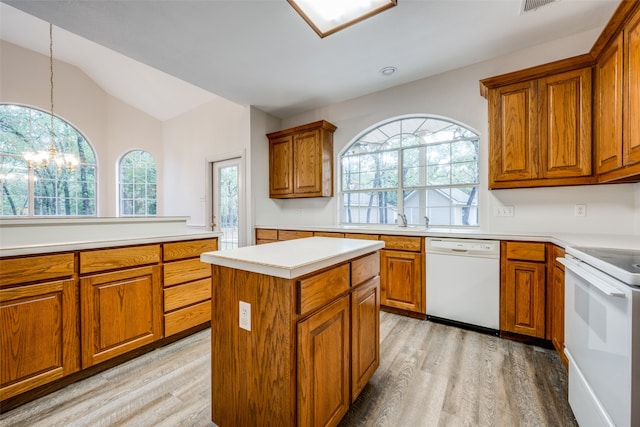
x: 214, y: 131
x: 181, y: 146
x: 109, y: 125
x: 456, y: 94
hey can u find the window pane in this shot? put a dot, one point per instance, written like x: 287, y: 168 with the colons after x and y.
x: 375, y: 207
x: 56, y: 191
x: 137, y: 184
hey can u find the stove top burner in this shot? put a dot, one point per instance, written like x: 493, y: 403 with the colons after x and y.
x: 623, y: 264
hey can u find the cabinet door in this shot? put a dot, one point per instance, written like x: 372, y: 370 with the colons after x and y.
x: 280, y: 166
x: 365, y: 336
x: 512, y: 132
x: 401, y: 280
x: 632, y: 91
x: 522, y: 298
x: 323, y: 365
x: 557, y: 312
x: 565, y: 124
x: 608, y: 123
x: 121, y: 311
x: 307, y: 160
x: 39, y: 338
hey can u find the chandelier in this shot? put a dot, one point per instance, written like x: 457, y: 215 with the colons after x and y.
x: 44, y: 158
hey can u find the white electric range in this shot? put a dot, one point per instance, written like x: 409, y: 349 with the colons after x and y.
x: 602, y: 335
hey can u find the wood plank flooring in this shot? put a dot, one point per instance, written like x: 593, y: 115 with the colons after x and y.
x: 430, y: 375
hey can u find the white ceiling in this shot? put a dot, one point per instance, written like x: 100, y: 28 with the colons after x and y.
x: 262, y: 53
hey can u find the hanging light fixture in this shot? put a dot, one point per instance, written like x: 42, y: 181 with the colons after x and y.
x: 42, y: 159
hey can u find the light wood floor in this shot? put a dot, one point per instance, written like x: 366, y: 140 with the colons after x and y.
x: 430, y: 375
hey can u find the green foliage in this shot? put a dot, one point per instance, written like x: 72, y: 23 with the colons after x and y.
x: 137, y: 184
x: 53, y: 192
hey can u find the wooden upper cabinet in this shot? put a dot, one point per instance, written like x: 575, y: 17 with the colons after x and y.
x: 512, y: 118
x: 301, y: 161
x: 280, y: 166
x: 565, y: 124
x: 609, y: 108
x: 631, y: 114
x: 617, y: 109
x: 540, y: 129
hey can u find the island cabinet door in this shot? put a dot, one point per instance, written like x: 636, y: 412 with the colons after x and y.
x: 323, y: 365
x: 121, y: 311
x: 365, y: 335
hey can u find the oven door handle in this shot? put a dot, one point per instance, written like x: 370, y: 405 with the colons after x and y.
x: 591, y: 275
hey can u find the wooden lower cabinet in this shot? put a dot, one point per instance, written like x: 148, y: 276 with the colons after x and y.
x: 365, y: 337
x: 522, y: 288
x: 121, y: 311
x: 555, y: 304
x: 39, y: 331
x: 323, y: 365
x: 39, y: 339
x: 186, y: 285
x: 401, y: 280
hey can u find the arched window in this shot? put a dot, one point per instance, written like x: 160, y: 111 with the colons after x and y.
x: 137, y: 186
x: 416, y: 165
x: 33, y: 190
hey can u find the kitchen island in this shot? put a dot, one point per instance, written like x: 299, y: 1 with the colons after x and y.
x: 295, y: 330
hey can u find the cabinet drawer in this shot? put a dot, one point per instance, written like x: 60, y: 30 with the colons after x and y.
x: 361, y: 236
x: 191, y: 249
x: 37, y: 268
x: 320, y: 289
x: 188, y: 317
x: 365, y: 268
x: 403, y: 243
x: 262, y: 234
x: 528, y: 251
x: 290, y: 235
x: 187, y: 294
x: 327, y: 234
x: 185, y: 271
x: 109, y: 259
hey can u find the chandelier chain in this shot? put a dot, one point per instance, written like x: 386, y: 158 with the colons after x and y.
x: 51, y: 74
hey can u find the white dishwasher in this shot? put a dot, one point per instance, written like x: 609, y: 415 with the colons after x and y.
x: 463, y: 282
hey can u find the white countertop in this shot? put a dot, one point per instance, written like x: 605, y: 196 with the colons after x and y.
x: 292, y: 258
x: 620, y: 241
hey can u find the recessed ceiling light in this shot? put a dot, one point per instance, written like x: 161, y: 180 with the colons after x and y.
x: 328, y: 16
x: 387, y: 71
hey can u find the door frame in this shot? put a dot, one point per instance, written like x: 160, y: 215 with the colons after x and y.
x: 242, y: 196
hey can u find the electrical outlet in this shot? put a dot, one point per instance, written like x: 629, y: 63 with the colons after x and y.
x: 245, y: 315
x: 580, y: 210
x: 503, y: 211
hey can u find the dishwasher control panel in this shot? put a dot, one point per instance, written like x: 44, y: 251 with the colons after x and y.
x: 447, y: 245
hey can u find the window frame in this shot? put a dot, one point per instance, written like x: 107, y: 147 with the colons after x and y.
x: 400, y: 189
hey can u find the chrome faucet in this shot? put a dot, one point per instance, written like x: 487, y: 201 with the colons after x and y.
x: 402, y: 220
x: 426, y: 222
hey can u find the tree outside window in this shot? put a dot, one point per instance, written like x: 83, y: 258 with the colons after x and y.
x: 137, y: 186
x: 39, y: 190
x: 416, y: 165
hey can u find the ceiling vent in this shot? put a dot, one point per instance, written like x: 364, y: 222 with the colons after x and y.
x: 529, y: 5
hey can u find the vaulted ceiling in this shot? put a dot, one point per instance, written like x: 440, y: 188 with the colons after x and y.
x: 262, y: 53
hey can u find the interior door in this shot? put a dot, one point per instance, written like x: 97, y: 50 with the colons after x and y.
x: 227, y: 200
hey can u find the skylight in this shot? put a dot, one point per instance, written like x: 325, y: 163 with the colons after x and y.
x: 328, y: 16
